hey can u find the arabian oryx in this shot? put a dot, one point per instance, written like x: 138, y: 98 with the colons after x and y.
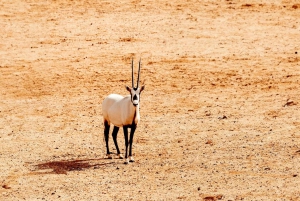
x: 122, y: 112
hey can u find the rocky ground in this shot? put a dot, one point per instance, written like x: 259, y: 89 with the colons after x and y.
x: 219, y: 114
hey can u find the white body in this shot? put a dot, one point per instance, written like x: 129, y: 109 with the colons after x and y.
x: 119, y: 110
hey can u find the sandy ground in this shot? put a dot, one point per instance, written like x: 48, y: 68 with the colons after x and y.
x: 219, y: 115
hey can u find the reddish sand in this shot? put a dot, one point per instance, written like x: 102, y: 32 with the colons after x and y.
x: 219, y: 114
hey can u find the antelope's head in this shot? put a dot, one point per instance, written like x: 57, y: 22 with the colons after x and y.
x: 135, y: 92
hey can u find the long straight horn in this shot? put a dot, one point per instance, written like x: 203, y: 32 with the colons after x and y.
x: 132, y: 72
x: 138, y: 80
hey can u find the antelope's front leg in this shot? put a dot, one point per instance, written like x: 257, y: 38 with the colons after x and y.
x: 133, y: 127
x: 125, y: 129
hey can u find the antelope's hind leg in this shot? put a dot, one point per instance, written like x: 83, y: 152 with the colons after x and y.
x: 106, y: 136
x: 115, y: 134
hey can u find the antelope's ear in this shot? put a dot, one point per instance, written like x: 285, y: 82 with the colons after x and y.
x: 142, y: 88
x: 128, y: 88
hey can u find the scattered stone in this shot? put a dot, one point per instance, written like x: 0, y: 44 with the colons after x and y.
x: 223, y: 117
x: 247, y: 5
x: 207, y: 113
x: 209, y: 198
x: 213, y: 198
x: 289, y: 103
x: 6, y: 186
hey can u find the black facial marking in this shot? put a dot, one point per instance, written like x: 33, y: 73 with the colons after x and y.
x: 135, y: 97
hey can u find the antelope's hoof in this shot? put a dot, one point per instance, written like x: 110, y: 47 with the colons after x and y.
x: 126, y: 161
x: 109, y: 156
x: 120, y: 156
x: 131, y: 159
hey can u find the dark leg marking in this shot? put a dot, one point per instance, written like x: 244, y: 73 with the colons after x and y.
x: 106, y: 135
x: 125, y: 129
x: 133, y: 127
x: 114, y: 134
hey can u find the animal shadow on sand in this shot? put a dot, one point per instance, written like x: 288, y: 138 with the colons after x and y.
x: 64, y: 166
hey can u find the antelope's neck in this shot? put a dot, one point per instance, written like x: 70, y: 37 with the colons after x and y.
x: 136, y: 114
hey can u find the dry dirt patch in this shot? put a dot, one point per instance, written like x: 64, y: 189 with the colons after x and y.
x: 219, y: 112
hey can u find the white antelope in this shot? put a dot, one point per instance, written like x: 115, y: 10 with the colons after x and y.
x: 122, y: 112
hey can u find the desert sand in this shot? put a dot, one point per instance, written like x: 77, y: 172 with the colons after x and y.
x: 219, y: 114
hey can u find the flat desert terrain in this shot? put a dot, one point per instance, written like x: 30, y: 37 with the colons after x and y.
x: 219, y: 114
